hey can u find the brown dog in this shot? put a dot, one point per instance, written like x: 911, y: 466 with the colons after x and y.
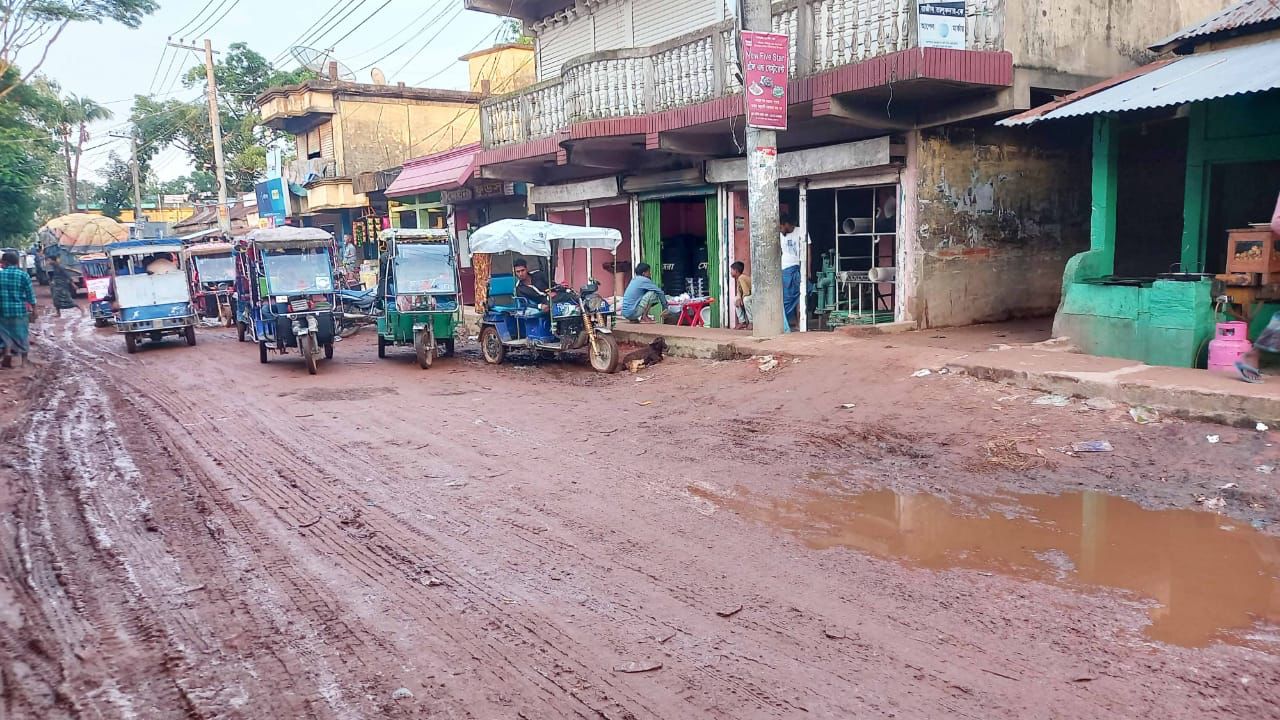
x: 650, y: 354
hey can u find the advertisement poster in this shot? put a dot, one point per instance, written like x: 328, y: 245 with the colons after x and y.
x: 764, y: 66
x: 942, y: 24
x: 273, y: 203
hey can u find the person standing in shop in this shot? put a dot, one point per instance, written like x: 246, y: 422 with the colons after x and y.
x: 792, y: 240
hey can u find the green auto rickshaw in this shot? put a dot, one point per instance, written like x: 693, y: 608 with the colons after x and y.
x: 419, y: 292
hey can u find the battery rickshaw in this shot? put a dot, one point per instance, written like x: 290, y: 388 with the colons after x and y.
x: 419, y: 292
x: 284, y: 292
x: 95, y: 273
x: 149, y: 290
x: 570, y: 321
x: 211, y: 273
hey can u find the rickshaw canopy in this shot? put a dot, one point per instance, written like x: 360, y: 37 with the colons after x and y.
x: 143, y: 247
x: 210, y: 248
x: 534, y: 237
x: 409, y: 235
x: 289, y: 236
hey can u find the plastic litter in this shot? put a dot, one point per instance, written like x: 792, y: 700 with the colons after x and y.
x: 1054, y: 400
x: 1213, y: 439
x: 1092, y: 446
x: 1144, y: 415
x: 1261, y: 427
x: 922, y: 372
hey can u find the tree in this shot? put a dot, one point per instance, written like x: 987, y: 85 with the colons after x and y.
x: 36, y: 25
x: 75, y: 115
x: 242, y: 75
x: 116, y: 191
x: 26, y: 154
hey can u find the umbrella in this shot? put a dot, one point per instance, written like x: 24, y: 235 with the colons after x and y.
x: 81, y: 232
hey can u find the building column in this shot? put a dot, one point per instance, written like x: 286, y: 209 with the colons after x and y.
x: 1106, y: 180
x: 1196, y: 195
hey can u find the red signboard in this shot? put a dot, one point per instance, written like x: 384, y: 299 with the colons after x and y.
x: 764, y: 64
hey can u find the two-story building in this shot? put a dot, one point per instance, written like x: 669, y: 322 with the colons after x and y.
x: 917, y: 207
x: 345, y: 130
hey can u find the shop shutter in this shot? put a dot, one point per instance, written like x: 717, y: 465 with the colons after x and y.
x: 611, y: 25
x: 563, y: 42
x: 657, y: 20
x: 326, y: 141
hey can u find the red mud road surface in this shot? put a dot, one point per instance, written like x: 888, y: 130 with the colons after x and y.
x: 185, y: 533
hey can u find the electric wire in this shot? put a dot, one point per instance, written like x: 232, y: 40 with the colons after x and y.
x: 445, y: 7
x: 284, y: 54
x: 427, y: 44
x: 210, y: 26
x: 405, y: 27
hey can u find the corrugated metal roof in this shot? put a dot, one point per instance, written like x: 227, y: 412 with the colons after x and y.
x: 1192, y: 78
x: 1236, y: 17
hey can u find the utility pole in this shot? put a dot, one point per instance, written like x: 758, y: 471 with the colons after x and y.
x: 215, y: 125
x: 762, y: 200
x: 137, y: 188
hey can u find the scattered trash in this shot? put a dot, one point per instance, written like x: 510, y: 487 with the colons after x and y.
x: 432, y: 581
x: 767, y: 363
x: 638, y: 666
x: 1266, y: 469
x: 1228, y: 486
x: 1216, y: 503
x: 401, y: 694
x: 643, y: 403
x: 663, y: 640
x: 1100, y: 404
x: 1054, y: 400
x: 835, y: 634
x: 1261, y: 427
x: 1005, y: 453
x: 922, y: 372
x: 641, y: 379
x: 1083, y: 679
x: 1144, y: 415
x: 848, y: 406
x: 1213, y: 439
x: 729, y: 613
x: 1092, y: 446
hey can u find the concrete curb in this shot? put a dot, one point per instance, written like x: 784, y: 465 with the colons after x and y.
x: 681, y: 346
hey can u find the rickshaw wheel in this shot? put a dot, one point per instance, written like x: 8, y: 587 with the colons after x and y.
x: 191, y: 335
x: 240, y: 331
x: 491, y: 346
x: 130, y: 343
x: 262, y: 351
x: 307, y: 346
x: 604, y: 360
x: 448, y: 348
x: 328, y: 350
x: 424, y: 344
x: 100, y: 322
x: 382, y: 346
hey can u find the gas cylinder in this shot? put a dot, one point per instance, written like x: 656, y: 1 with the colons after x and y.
x: 1230, y: 342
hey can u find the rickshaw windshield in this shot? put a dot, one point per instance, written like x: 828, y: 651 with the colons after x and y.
x: 298, y: 270
x: 424, y: 270
x: 96, y: 268
x: 213, y: 268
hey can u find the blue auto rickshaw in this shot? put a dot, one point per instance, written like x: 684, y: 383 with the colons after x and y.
x: 149, y: 291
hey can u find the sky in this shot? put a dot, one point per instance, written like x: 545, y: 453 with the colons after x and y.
x: 421, y: 40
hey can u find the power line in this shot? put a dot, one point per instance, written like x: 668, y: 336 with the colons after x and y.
x: 410, y: 39
x: 491, y: 34
x: 407, y: 27
x: 333, y: 25
x: 457, y: 12
x: 202, y: 31
x: 298, y: 40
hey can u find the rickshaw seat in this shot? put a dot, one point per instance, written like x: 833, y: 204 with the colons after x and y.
x: 502, y: 293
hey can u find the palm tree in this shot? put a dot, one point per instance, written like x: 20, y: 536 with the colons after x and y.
x: 75, y: 115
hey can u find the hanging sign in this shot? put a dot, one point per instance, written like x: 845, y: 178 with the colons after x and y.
x: 764, y: 77
x: 942, y: 24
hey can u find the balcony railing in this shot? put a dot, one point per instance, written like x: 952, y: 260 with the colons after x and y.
x: 703, y: 65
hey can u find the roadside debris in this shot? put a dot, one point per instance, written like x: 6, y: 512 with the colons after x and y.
x: 1215, y: 503
x: 1005, y: 453
x: 1266, y: 469
x: 922, y: 372
x: 767, y: 363
x: 1100, y: 404
x: 401, y: 694
x: 835, y: 634
x: 1228, y: 486
x: 1092, y: 446
x: 638, y: 666
x: 1144, y: 415
x: 730, y: 612
x: 1213, y: 439
x: 1054, y: 400
x: 848, y: 406
x: 1261, y: 427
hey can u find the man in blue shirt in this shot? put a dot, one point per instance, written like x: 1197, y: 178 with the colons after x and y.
x: 641, y: 295
x: 17, y: 303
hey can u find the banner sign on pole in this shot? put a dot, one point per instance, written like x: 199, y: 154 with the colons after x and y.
x: 942, y: 24
x: 765, y: 71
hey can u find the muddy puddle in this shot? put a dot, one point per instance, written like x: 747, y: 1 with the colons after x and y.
x: 1209, y: 578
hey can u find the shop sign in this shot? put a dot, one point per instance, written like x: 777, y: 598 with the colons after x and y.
x: 173, y: 199
x: 942, y: 23
x: 477, y: 191
x: 272, y: 201
x: 764, y: 63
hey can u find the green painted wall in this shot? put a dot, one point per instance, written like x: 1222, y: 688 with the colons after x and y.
x: 1166, y: 323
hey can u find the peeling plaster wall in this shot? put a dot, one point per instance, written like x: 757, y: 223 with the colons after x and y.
x: 1100, y: 38
x: 996, y: 215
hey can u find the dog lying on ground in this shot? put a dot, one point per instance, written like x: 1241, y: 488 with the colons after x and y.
x: 650, y: 354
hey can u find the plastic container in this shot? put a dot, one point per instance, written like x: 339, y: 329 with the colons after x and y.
x: 1230, y: 342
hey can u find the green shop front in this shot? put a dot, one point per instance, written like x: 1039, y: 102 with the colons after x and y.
x: 1184, y: 151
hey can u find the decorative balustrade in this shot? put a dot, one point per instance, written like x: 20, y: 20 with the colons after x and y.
x: 703, y: 65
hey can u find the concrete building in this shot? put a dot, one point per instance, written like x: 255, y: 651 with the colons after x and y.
x: 1185, y: 159
x: 918, y: 208
x: 343, y: 130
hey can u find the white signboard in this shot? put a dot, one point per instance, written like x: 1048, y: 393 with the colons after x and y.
x: 942, y: 23
x: 173, y: 199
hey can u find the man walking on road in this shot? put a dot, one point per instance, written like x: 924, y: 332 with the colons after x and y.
x: 17, y: 304
x: 792, y: 245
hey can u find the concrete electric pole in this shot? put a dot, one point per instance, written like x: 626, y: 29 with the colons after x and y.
x: 215, y: 125
x: 762, y: 200
x: 137, y: 187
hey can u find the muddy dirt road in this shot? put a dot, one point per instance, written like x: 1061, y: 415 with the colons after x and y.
x: 185, y: 533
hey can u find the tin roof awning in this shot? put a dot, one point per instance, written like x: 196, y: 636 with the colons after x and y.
x: 442, y: 171
x: 1190, y: 78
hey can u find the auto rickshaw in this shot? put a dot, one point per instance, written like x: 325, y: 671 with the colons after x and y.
x: 149, y: 291
x: 571, y: 320
x: 211, y: 273
x: 419, y: 291
x: 95, y: 273
x: 285, y: 292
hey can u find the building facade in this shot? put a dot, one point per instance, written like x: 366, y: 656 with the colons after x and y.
x: 917, y: 207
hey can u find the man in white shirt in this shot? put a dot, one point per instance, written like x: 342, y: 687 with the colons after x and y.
x: 792, y: 245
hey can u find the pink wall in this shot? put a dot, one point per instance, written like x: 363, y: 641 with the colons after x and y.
x: 680, y: 218
x: 572, y: 264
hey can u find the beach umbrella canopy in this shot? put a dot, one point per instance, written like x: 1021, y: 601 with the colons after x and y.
x: 81, y: 232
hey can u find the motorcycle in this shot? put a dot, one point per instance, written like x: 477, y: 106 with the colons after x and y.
x: 355, y: 309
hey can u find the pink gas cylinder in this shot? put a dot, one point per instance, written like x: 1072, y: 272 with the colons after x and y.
x: 1230, y: 342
